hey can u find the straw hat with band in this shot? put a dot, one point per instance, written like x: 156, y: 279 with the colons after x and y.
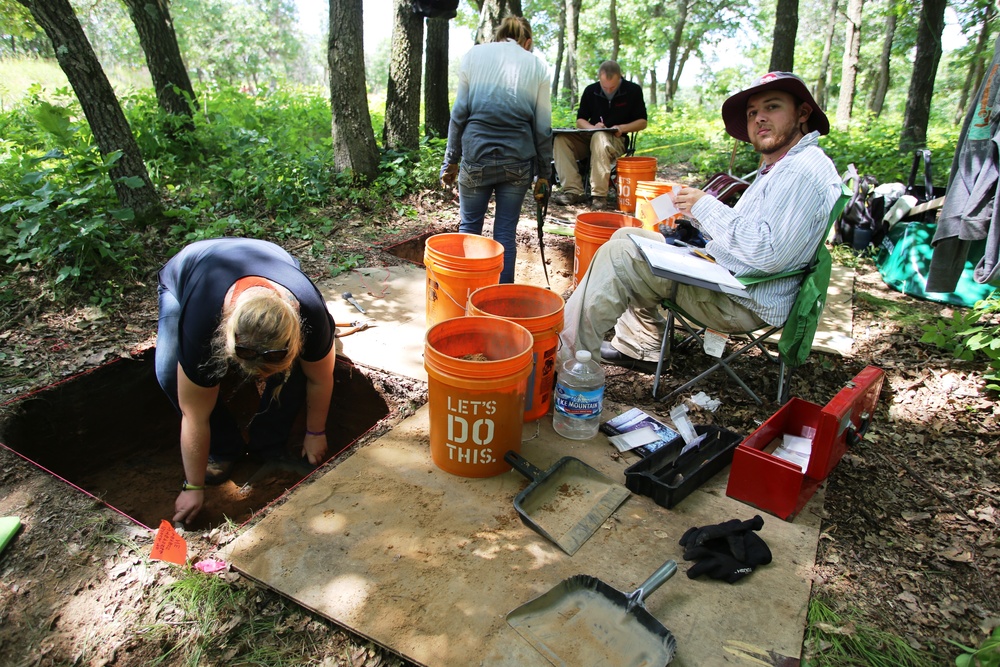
x: 734, y: 109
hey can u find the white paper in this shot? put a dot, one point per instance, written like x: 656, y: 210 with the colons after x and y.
x: 683, y: 262
x: 632, y: 439
x: 714, y: 343
x: 795, y: 449
x: 663, y: 207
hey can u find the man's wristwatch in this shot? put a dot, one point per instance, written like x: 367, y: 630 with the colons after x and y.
x: 190, y: 487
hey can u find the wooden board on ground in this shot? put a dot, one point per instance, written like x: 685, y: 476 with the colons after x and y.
x: 429, y: 564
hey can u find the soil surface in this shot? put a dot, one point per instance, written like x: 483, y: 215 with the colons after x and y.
x: 910, y: 531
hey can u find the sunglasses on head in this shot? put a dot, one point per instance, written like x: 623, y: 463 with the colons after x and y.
x: 269, y: 356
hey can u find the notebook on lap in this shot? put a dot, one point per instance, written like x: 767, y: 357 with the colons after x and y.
x: 684, y: 266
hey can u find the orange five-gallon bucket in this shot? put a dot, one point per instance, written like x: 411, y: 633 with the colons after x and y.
x: 631, y: 170
x: 457, y: 265
x: 477, y: 370
x: 540, y: 311
x: 592, y: 230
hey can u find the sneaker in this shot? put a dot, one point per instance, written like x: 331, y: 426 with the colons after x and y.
x: 566, y: 198
x: 610, y: 355
x: 218, y: 470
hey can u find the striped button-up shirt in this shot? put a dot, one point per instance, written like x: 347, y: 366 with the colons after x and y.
x: 776, y: 226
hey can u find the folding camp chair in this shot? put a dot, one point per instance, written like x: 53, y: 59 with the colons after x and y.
x: 796, y: 333
x: 629, y: 139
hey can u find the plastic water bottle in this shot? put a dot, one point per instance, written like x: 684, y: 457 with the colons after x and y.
x: 579, y: 398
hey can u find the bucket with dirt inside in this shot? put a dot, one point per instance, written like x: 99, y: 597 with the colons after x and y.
x: 477, y: 376
x: 540, y: 311
x: 645, y: 193
x: 631, y: 170
x: 457, y: 265
x: 591, y: 231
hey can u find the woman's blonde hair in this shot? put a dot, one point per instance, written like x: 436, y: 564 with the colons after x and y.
x: 513, y: 27
x: 261, y: 320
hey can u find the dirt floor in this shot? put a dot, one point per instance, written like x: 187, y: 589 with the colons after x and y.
x: 910, y: 532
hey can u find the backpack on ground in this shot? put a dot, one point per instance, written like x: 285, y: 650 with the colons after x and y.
x: 859, y: 225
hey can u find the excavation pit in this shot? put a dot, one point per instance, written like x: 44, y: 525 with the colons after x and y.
x: 112, y: 433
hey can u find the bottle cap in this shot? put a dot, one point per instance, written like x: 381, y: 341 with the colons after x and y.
x: 583, y: 356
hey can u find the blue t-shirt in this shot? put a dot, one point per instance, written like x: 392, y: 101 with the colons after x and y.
x: 200, y: 275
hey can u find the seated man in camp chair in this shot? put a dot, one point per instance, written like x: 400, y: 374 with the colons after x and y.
x: 776, y: 226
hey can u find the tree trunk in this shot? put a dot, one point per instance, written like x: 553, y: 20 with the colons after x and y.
x: 672, y: 50
x: 652, y: 86
x: 97, y: 98
x: 572, y: 33
x: 786, y: 26
x: 975, y: 75
x: 849, y: 69
x: 560, y: 49
x: 402, y: 98
x: 616, y: 33
x: 877, y: 100
x: 925, y: 64
x: 492, y: 14
x: 354, y: 145
x: 436, y: 111
x: 824, y: 66
x: 163, y: 57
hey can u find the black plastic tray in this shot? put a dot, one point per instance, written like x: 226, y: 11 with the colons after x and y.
x: 667, y: 476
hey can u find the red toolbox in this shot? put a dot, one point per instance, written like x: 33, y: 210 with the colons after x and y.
x: 779, y: 486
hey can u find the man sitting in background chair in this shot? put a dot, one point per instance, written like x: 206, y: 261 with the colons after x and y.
x: 776, y: 226
x: 610, y: 102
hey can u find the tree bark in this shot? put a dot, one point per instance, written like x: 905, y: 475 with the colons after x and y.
x: 975, y: 75
x: 849, y: 68
x: 786, y: 26
x: 163, y: 57
x: 436, y: 111
x: 354, y: 145
x: 572, y: 33
x: 402, y: 99
x: 560, y: 49
x: 925, y: 64
x: 652, y: 86
x: 97, y: 98
x: 490, y: 16
x: 877, y: 100
x: 676, y: 38
x: 824, y: 66
x: 616, y: 33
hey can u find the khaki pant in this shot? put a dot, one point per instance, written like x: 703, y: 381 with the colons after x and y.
x: 603, y: 149
x: 619, y: 290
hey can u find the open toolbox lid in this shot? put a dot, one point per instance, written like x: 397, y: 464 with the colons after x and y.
x: 844, y: 420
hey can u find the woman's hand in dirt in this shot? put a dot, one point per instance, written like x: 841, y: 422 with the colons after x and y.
x: 188, y: 504
x: 314, y: 449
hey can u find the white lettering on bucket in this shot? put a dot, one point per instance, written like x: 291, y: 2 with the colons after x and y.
x: 468, y: 455
x: 466, y: 407
x: 482, y: 430
x: 463, y: 434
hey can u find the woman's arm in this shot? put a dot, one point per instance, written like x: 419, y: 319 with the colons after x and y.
x: 319, y: 391
x: 196, y: 405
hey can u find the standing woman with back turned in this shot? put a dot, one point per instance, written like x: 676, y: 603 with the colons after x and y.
x: 240, y: 310
x: 500, y: 134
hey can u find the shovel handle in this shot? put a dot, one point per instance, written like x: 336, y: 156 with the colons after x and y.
x: 522, y: 465
x: 654, y: 581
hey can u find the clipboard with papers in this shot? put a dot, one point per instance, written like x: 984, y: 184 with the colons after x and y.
x: 684, y: 266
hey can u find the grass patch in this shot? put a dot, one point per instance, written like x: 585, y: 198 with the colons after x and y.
x: 903, y: 313
x: 836, y: 639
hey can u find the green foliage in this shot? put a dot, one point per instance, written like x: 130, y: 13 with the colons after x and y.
x: 970, y: 335
x: 987, y: 655
x: 836, y: 639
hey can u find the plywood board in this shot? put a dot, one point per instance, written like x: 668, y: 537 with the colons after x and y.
x: 428, y: 564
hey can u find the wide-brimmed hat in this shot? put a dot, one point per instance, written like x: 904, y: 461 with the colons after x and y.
x: 734, y: 109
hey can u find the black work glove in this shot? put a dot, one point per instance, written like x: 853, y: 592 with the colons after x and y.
x: 728, y: 551
x: 683, y: 231
x: 542, y: 191
x: 716, y: 564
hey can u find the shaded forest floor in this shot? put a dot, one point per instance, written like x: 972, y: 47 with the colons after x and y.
x: 910, y: 526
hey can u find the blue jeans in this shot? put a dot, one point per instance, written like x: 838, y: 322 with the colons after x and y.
x: 510, y: 182
x: 269, y: 428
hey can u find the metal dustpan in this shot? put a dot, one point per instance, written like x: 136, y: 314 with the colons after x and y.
x: 584, y: 621
x: 567, y: 503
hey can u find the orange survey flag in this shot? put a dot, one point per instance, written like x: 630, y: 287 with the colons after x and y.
x: 168, y: 545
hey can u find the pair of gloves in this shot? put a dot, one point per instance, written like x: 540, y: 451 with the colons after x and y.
x: 449, y: 174
x: 728, y: 551
x: 684, y: 232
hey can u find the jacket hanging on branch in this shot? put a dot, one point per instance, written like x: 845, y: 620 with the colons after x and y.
x: 435, y: 9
